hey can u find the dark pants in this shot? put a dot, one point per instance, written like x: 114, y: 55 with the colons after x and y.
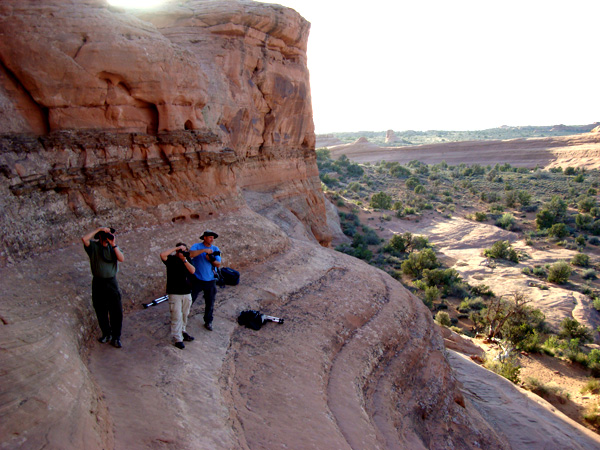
x: 209, y: 288
x: 106, y: 299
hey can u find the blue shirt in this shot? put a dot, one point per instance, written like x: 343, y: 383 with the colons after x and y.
x: 204, y: 269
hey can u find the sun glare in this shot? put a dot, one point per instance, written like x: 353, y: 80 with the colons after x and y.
x: 136, y: 4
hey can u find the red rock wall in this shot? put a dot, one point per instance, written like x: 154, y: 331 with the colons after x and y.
x: 111, y: 118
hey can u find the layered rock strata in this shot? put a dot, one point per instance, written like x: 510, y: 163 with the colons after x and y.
x: 110, y: 118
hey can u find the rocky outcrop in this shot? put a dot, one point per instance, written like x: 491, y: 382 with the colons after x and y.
x: 390, y: 137
x: 111, y: 118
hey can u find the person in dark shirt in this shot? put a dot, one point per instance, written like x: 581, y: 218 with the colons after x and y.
x: 179, y: 290
x: 105, y: 256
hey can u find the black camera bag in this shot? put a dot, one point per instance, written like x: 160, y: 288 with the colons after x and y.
x: 227, y: 276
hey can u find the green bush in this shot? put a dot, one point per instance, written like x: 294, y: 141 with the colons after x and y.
x: 581, y: 260
x: 381, y: 200
x: 480, y: 216
x: 471, y: 304
x: 399, y: 171
x: 502, y: 250
x: 589, y: 274
x: 432, y: 294
x: 572, y: 329
x: 559, y: 272
x: 506, y: 222
x: 508, y: 368
x: 443, y: 318
x: 412, y: 183
x: 420, y: 189
x: 419, y: 261
x: 558, y: 230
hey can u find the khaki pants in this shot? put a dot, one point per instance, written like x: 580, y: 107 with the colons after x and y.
x: 180, y: 308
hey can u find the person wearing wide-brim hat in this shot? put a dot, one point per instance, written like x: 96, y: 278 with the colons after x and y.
x: 205, y: 257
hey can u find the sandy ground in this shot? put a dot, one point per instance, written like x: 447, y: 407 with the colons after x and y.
x: 577, y: 151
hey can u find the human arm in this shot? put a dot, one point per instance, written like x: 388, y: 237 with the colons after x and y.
x: 164, y: 255
x: 118, y: 252
x: 88, y: 237
x: 194, y: 253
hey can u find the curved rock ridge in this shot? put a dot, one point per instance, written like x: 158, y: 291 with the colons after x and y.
x: 358, y: 361
x: 110, y: 118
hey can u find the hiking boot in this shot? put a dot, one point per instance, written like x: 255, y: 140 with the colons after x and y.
x: 180, y: 345
x: 187, y: 337
x: 208, y: 326
x: 104, y: 339
x: 116, y: 343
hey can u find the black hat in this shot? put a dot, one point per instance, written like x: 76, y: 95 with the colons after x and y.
x: 209, y: 233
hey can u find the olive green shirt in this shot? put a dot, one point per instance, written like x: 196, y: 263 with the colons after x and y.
x: 103, y: 260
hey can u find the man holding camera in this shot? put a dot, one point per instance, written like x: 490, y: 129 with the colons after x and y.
x: 205, y: 257
x: 179, y: 290
x: 105, y: 256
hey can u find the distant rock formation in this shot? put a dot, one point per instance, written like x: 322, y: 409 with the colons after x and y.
x: 361, y: 140
x: 390, y: 136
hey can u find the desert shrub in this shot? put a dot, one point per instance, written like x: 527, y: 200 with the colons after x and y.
x: 572, y: 329
x: 594, y: 241
x: 412, y: 183
x: 592, y: 386
x: 524, y: 198
x: 329, y: 180
x: 593, y: 362
x: 443, y: 318
x: 399, y: 171
x: 506, y: 222
x: 581, y: 260
x: 572, y: 351
x: 510, y: 199
x: 551, y: 345
x: 482, y: 289
x: 381, y: 200
x: 354, y: 186
x: 552, y: 212
x: 589, y: 274
x: 420, y: 189
x: 569, y: 171
x: 445, y: 279
x: 559, y: 272
x: 407, y: 211
x: 432, y: 294
x: 480, y: 216
x: 471, y: 304
x: 355, y: 170
x: 501, y: 250
x: 539, y: 271
x: 370, y: 236
x: 592, y: 415
x: 579, y: 178
x: 419, y: 261
x: 558, y: 230
x: 584, y: 221
x: 522, y: 328
x: 509, y: 368
x: 585, y: 203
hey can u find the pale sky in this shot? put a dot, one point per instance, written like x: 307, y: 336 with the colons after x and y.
x: 451, y: 64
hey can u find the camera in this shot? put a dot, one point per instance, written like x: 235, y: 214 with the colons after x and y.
x: 104, y: 235
x: 184, y: 252
x: 213, y: 255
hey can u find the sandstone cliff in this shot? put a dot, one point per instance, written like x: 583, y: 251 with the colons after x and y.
x: 195, y: 116
x: 111, y: 118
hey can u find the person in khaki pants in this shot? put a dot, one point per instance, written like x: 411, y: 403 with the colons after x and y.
x: 179, y: 290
